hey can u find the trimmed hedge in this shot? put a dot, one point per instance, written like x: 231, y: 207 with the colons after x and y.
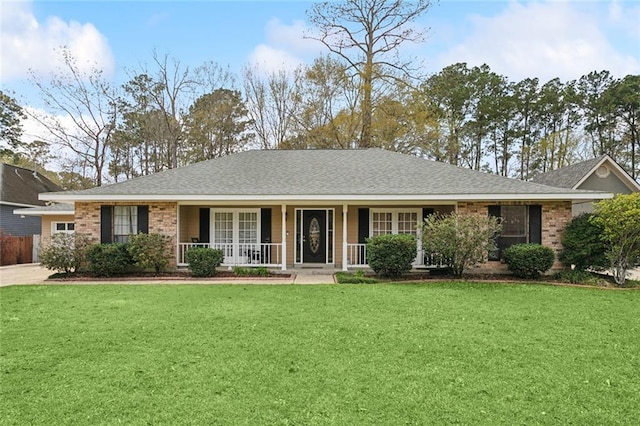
x: 528, y: 260
x: 204, y: 261
x: 391, y: 255
x: 108, y: 260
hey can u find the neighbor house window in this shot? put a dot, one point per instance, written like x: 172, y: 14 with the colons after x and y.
x: 62, y: 227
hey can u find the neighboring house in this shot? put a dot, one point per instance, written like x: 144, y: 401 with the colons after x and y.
x: 314, y: 208
x: 601, y: 174
x: 57, y: 217
x: 19, y: 188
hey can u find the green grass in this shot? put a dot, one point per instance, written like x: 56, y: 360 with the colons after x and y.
x: 452, y: 353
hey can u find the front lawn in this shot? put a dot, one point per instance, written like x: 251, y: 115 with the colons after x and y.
x: 450, y: 353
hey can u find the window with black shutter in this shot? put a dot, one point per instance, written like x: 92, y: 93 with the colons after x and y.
x: 117, y: 223
x: 520, y: 224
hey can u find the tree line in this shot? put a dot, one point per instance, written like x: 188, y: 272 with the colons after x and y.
x: 359, y: 96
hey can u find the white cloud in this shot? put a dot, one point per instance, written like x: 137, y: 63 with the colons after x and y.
x: 269, y: 59
x: 544, y: 40
x: 626, y: 18
x: 285, y: 47
x: 28, y: 44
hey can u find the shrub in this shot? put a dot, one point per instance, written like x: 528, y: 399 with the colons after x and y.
x: 463, y: 241
x: 582, y: 244
x: 259, y: 271
x: 204, y: 261
x: 577, y: 276
x: 391, y: 255
x: 64, y: 253
x: 108, y: 260
x: 619, y: 218
x: 150, y: 251
x: 528, y: 260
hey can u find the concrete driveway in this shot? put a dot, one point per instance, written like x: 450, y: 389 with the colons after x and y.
x: 30, y: 273
x: 33, y: 273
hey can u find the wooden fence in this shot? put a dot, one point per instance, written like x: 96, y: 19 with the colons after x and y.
x: 15, y: 250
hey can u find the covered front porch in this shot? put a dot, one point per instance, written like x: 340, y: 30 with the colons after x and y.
x: 299, y: 235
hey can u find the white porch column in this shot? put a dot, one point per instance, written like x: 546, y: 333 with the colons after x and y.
x: 345, y: 210
x: 284, y: 237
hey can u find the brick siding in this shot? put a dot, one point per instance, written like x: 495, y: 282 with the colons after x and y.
x: 555, y: 215
x: 163, y: 219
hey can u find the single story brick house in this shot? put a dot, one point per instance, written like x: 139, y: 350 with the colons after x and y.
x: 601, y: 174
x: 314, y: 208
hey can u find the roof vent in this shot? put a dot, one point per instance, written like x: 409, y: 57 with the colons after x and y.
x: 602, y: 171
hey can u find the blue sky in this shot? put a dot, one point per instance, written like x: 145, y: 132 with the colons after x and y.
x: 519, y: 39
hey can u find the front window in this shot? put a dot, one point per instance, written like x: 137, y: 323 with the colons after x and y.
x: 407, y: 223
x: 397, y: 221
x: 514, y: 221
x: 517, y: 224
x: 236, y: 233
x: 382, y: 223
x: 248, y: 227
x: 394, y: 222
x: 125, y: 222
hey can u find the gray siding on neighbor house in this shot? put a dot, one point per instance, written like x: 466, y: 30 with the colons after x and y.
x: 15, y: 225
x: 610, y: 183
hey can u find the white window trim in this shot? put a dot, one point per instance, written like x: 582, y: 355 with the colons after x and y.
x: 394, y: 218
x: 66, y: 226
x: 394, y: 227
x: 235, y: 227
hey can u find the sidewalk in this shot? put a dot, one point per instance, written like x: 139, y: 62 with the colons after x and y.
x: 33, y: 273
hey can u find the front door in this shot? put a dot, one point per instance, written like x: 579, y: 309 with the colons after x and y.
x: 314, y: 236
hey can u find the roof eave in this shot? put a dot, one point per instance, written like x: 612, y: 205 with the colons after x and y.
x: 36, y: 212
x: 331, y: 197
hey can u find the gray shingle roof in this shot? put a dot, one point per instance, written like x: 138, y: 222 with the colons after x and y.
x: 22, y: 186
x: 569, y: 176
x: 370, y: 172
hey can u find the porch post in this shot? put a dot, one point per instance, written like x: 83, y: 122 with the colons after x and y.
x: 345, y: 210
x: 178, y: 254
x: 284, y: 237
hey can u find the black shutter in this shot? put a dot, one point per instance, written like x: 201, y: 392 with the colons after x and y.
x: 205, y: 224
x: 143, y: 219
x: 426, y: 211
x: 265, y: 225
x: 106, y: 224
x: 535, y: 224
x: 363, y: 225
x: 494, y: 211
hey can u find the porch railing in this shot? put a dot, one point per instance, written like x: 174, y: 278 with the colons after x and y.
x: 237, y: 254
x: 357, y: 257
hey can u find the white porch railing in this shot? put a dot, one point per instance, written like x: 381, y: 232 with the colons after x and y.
x: 357, y: 257
x: 236, y: 254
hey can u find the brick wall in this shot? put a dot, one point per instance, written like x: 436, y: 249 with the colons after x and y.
x: 163, y: 219
x: 555, y: 215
